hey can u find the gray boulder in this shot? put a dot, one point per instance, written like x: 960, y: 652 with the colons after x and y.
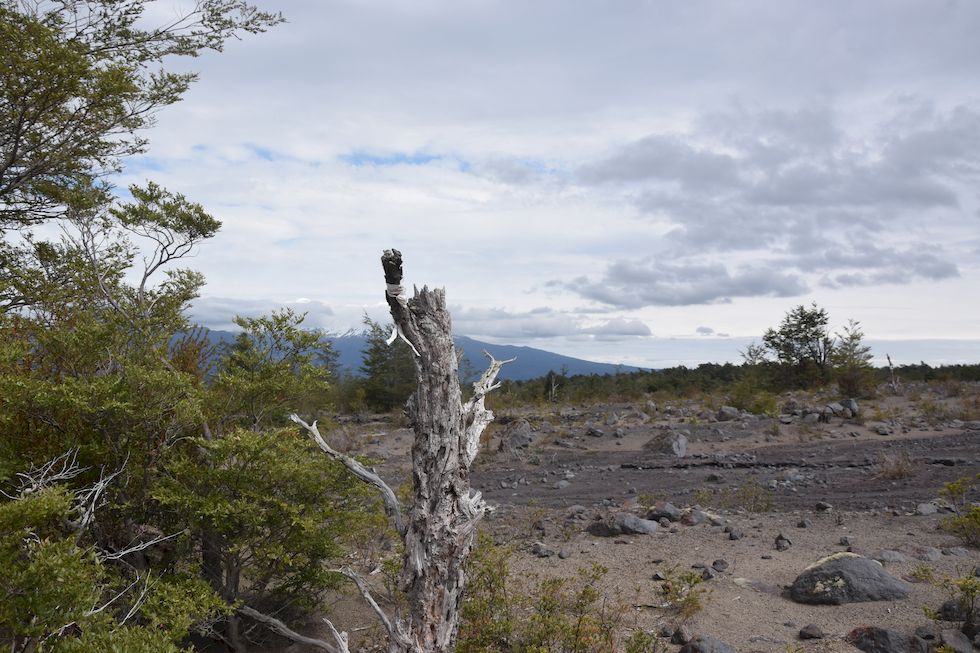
x: 664, y: 510
x: 885, y: 640
x: 851, y: 405
x: 705, y: 644
x: 671, y: 442
x: 847, y: 578
x: 632, y: 525
x: 727, y: 413
x: 517, y: 435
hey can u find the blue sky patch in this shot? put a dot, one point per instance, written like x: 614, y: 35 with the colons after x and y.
x: 362, y: 158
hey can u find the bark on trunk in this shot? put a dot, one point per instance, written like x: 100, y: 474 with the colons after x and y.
x: 439, y: 528
x: 443, y: 518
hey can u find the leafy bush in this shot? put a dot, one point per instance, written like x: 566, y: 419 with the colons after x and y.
x: 555, y: 615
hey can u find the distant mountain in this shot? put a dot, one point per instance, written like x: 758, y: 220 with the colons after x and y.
x: 531, y: 363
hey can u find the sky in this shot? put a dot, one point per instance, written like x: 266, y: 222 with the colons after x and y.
x: 600, y: 179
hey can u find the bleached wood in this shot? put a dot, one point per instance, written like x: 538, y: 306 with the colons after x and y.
x: 278, y: 626
x: 391, y: 503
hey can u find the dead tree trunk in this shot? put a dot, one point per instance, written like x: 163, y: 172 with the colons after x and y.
x: 440, y: 526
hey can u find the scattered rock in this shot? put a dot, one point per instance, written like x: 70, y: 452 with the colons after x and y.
x: 884, y: 640
x: 929, y: 632
x: 517, y: 435
x: 735, y: 534
x: 804, y: 523
x: 727, y: 413
x: 540, y: 550
x: 958, y: 551
x: 594, y: 432
x: 719, y: 565
x: 925, y: 509
x: 927, y: 553
x: 823, y: 506
x: 889, y: 555
x: 851, y: 405
x: 632, y: 525
x: 705, y: 644
x: 956, y: 640
x: 670, y: 442
x: 692, y: 517
x: 811, y: 631
x: 846, y: 541
x: 564, y: 554
x: 714, y: 477
x: 953, y: 610
x: 846, y: 578
x: 681, y: 635
x: 782, y: 542
x: 664, y: 510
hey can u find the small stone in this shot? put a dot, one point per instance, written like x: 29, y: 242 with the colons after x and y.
x: 846, y: 541
x: 735, y: 534
x: 804, y: 523
x: 925, y: 509
x: 682, y: 635
x: 562, y: 484
x: 889, y: 555
x: 823, y: 506
x: 692, y: 517
x: 719, y: 565
x: 927, y: 553
x: 956, y: 551
x: 708, y: 573
x: 811, y: 631
x: 564, y: 554
x: 658, y: 576
x: 782, y: 542
x: 542, y: 551
x: 727, y: 413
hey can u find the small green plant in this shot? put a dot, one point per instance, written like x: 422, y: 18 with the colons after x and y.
x: 642, y: 642
x: 923, y: 574
x: 955, y: 492
x: 683, y: 594
x: 501, y: 614
x: 966, y: 526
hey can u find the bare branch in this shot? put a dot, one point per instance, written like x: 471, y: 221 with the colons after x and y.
x: 341, y: 637
x: 392, y: 505
x: 139, y: 547
x: 274, y: 624
x: 477, y: 416
x: 62, y: 468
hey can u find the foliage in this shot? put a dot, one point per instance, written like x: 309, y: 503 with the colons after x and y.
x: 683, y: 594
x: 803, y: 344
x: 80, y: 83
x: 58, y: 594
x: 389, y: 370
x: 851, y: 359
x: 273, y: 368
x: 956, y: 491
x: 275, y: 510
x: 965, y: 526
x: 557, y: 615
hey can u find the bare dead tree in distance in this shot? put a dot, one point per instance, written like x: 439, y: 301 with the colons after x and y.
x: 439, y: 526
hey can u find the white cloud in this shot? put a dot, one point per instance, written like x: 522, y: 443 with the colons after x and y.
x: 674, y: 164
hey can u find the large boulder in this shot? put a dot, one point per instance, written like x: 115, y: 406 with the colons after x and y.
x: 671, y: 442
x: 885, y: 640
x: 621, y: 523
x: 846, y: 578
x: 517, y: 435
x: 632, y: 525
x: 727, y: 413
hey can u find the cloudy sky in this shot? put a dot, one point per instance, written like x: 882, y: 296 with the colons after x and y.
x: 594, y: 178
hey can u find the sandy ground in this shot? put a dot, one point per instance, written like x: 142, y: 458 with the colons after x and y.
x: 793, y: 466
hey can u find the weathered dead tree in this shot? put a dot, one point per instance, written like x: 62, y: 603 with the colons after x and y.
x: 439, y: 529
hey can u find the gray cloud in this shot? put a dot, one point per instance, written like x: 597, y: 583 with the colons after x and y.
x: 541, y: 323
x: 664, y: 158
x: 635, y: 284
x: 705, y: 331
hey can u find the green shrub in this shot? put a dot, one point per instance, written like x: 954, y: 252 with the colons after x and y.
x: 965, y: 526
x: 556, y: 615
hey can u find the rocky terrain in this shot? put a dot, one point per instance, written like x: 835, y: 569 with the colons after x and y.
x: 749, y: 503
